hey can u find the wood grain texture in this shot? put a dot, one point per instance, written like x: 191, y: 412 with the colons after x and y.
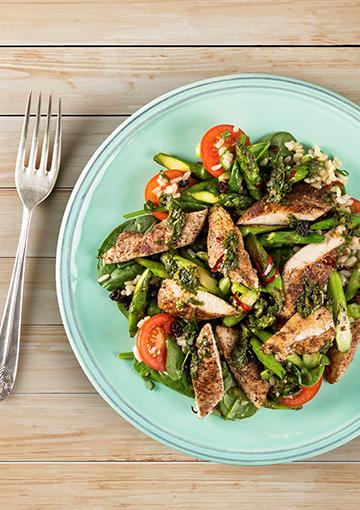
x: 45, y: 224
x: 200, y: 486
x: 182, y: 22
x: 81, y: 137
x: 82, y: 427
x: 120, y: 80
x: 40, y: 304
x: 47, y: 364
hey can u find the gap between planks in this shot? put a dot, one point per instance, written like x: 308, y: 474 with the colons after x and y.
x: 113, y: 80
x: 190, y: 22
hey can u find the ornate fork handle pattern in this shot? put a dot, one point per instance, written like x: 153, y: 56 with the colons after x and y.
x: 11, y: 321
x: 35, y: 178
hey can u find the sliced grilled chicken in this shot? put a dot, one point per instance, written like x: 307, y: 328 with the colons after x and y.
x: 247, y: 376
x: 207, y: 378
x: 340, y: 361
x: 301, y: 335
x: 220, y: 226
x: 313, y: 261
x: 304, y: 202
x: 130, y: 245
x: 202, y: 305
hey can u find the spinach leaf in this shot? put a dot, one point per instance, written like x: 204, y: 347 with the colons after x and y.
x: 141, y: 225
x: 174, y: 360
x: 234, y: 405
x: 182, y: 386
x: 235, y: 181
x: 117, y: 274
x: 277, y: 143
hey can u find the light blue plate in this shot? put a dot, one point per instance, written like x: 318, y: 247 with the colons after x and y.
x: 113, y: 182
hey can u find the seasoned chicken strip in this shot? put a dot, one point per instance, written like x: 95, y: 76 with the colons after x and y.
x: 130, y: 245
x: 301, y: 335
x: 207, y: 380
x: 249, y: 375
x: 340, y: 361
x: 220, y: 226
x: 304, y: 202
x: 202, y: 305
x: 313, y: 261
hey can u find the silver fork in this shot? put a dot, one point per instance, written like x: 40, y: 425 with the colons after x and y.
x: 34, y: 183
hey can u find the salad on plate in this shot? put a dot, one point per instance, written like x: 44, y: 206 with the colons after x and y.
x: 240, y: 277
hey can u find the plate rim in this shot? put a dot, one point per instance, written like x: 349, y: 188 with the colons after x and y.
x: 265, y: 458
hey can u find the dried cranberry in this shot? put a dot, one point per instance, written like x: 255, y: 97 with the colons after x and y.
x: 274, y: 148
x: 302, y: 227
x: 183, y: 183
x: 120, y: 298
x: 116, y: 295
x: 223, y: 187
x: 177, y: 329
x: 250, y: 355
x: 357, y: 298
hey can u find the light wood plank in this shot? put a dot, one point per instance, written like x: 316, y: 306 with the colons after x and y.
x: 179, y: 22
x: 47, y: 364
x: 120, y: 80
x: 40, y: 304
x: 45, y: 225
x: 81, y: 137
x: 185, y: 487
x: 69, y: 427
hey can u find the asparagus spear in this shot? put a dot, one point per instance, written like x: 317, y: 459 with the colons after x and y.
x: 271, y: 279
x: 339, y: 309
x: 259, y: 229
x: 289, y: 237
x: 354, y: 310
x: 268, y: 360
x: 353, y: 285
x: 250, y: 170
x: 175, y: 163
x: 262, y: 334
x: 200, y: 186
x: 138, y: 302
x: 247, y: 297
x: 331, y: 222
x: 157, y: 268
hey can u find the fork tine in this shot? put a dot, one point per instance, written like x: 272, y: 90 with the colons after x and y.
x: 34, y: 144
x: 22, y: 144
x: 55, y: 161
x: 46, y: 142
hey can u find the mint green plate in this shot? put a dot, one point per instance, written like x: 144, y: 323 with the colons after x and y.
x: 113, y: 182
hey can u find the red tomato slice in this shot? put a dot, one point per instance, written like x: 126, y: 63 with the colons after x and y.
x: 355, y: 207
x: 210, y: 152
x: 303, y: 396
x: 151, y: 340
x: 153, y: 184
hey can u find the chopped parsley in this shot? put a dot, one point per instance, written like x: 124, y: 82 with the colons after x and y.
x: 184, y: 273
x: 226, y: 134
x: 239, y: 355
x: 311, y: 299
x: 176, y: 219
x: 230, y: 244
x: 279, y: 184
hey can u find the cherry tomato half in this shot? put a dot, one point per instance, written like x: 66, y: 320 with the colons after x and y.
x: 303, y: 396
x: 355, y: 207
x: 153, y: 184
x: 211, y: 144
x: 151, y: 340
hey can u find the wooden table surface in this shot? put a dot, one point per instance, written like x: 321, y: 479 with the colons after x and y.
x: 61, y: 446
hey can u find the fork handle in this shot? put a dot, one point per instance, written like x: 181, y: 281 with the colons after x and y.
x: 11, y: 320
